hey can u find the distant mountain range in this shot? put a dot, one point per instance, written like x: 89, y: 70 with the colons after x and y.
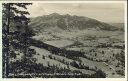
x: 118, y: 25
x: 68, y: 22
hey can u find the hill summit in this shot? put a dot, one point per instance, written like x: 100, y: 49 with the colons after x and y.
x: 68, y: 22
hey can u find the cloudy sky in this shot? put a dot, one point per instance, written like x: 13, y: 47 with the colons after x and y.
x: 106, y: 12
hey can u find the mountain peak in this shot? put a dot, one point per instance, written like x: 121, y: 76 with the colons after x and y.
x: 70, y: 22
x: 54, y: 14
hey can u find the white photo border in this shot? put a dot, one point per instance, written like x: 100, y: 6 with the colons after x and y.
x: 65, y: 79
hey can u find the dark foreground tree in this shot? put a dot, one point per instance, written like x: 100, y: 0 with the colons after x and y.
x: 12, y: 16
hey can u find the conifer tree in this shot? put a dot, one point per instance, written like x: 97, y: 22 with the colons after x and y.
x: 11, y: 13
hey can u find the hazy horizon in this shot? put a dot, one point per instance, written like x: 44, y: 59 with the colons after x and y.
x: 77, y: 15
x: 105, y: 12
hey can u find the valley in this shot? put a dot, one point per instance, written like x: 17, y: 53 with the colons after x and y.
x: 74, y: 46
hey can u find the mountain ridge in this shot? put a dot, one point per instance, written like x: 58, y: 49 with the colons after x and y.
x: 68, y: 22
